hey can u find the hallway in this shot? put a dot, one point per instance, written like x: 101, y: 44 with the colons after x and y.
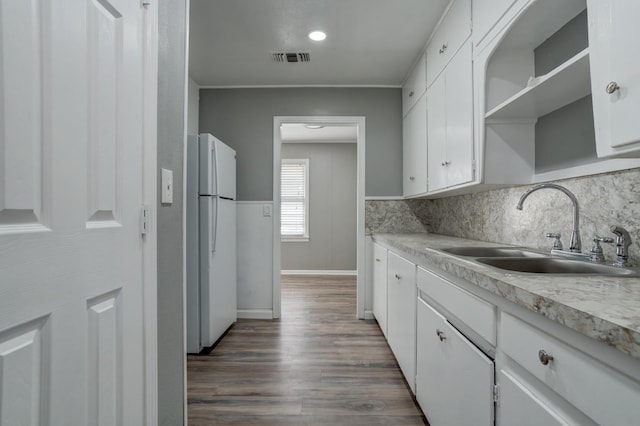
x: 317, y: 365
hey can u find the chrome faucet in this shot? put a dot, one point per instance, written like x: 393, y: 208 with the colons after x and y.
x: 574, y: 244
x: 623, y: 241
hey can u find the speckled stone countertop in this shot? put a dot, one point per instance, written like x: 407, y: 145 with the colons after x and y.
x: 604, y: 308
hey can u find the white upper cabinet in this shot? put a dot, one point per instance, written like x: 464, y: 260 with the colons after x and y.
x: 415, y: 86
x: 614, y: 37
x: 486, y: 13
x: 452, y: 32
x: 450, y: 130
x: 414, y: 149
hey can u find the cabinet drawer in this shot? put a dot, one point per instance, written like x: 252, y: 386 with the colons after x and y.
x: 454, y: 29
x: 415, y: 85
x: 477, y: 314
x: 600, y: 392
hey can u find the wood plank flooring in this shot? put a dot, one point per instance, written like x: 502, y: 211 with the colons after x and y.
x: 317, y: 365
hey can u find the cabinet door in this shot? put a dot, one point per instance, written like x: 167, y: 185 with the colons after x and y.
x: 437, y: 135
x: 519, y: 406
x: 459, y: 110
x: 454, y: 382
x: 415, y: 85
x: 614, y: 39
x: 401, y: 314
x: 414, y: 156
x: 380, y: 286
x: 454, y: 29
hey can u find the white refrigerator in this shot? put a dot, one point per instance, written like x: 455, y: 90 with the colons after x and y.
x: 211, y: 240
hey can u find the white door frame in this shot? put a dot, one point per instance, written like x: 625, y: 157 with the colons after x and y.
x: 150, y: 245
x: 359, y: 122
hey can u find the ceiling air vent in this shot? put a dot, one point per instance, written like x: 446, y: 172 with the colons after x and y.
x: 291, y: 57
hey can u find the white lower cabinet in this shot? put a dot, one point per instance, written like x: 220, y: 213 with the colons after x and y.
x: 454, y: 382
x: 590, y: 391
x: 520, y: 406
x: 401, y: 314
x: 380, y: 286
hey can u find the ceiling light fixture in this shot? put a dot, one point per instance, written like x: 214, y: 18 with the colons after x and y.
x: 314, y: 126
x: 317, y: 35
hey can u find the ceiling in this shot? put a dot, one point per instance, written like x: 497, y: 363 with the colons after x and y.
x: 369, y: 42
x: 299, y: 133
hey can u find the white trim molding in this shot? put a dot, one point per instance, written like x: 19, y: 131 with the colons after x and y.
x: 359, y: 122
x: 384, y: 198
x: 149, y: 184
x: 318, y: 272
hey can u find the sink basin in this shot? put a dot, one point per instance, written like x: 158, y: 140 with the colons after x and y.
x: 548, y: 265
x: 492, y: 252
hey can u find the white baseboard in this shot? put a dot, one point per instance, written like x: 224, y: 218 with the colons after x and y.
x: 369, y: 315
x: 312, y: 272
x: 255, y: 314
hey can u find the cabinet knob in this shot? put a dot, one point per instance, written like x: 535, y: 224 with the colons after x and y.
x: 398, y: 277
x: 612, y: 87
x: 441, y: 335
x: 377, y: 260
x: 443, y: 48
x: 446, y: 163
x: 412, y: 178
x: 411, y: 94
x: 544, y: 357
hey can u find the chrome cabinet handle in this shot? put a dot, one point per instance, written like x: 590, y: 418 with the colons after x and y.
x: 612, y: 87
x: 443, y: 48
x: 544, y: 357
x: 377, y: 260
x: 441, y: 335
x: 398, y: 277
x: 411, y: 94
x: 412, y: 178
x: 446, y: 163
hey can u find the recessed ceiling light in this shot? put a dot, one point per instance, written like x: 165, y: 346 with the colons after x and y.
x: 317, y: 35
x: 314, y: 126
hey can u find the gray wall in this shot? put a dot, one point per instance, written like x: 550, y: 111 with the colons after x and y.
x: 171, y: 97
x: 243, y: 118
x: 332, y: 208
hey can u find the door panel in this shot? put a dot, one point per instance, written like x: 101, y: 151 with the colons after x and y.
x: 71, y: 301
x: 104, y: 34
x: 22, y: 367
x: 21, y: 102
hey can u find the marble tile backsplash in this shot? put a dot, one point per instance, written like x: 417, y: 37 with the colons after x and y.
x: 604, y: 200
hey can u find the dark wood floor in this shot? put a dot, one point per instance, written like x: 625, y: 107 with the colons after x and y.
x: 318, y: 365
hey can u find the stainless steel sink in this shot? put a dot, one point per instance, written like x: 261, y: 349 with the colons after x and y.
x: 548, y: 265
x: 492, y: 252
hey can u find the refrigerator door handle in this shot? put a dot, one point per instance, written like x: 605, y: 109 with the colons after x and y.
x: 214, y: 223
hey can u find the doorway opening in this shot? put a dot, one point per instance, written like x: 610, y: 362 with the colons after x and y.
x: 296, y: 143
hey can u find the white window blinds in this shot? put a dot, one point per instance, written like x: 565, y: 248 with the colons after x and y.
x: 294, y: 199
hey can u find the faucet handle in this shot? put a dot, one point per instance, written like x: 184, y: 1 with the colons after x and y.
x: 557, y: 244
x: 596, y: 254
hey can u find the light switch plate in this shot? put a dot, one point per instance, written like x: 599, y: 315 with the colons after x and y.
x: 167, y: 186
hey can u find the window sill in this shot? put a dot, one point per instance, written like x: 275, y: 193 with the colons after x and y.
x: 294, y: 239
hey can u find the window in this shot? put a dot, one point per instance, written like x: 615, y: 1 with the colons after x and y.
x: 294, y: 200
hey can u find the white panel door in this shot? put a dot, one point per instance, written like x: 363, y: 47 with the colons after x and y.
x: 71, y: 301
